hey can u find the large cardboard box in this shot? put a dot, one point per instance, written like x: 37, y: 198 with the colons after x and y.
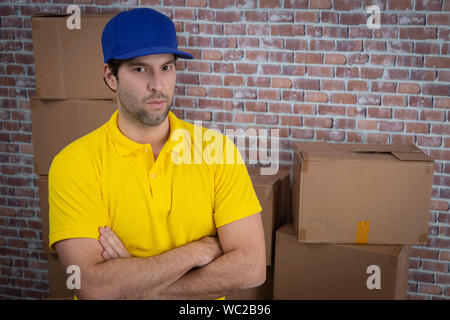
x: 338, y: 271
x: 56, y: 123
x: 69, y: 62
x: 57, y: 279
x: 263, y: 292
x: 361, y: 193
x: 273, y: 192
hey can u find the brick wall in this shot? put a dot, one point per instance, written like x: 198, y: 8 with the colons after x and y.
x: 312, y: 69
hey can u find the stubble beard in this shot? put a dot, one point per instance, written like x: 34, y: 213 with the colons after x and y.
x: 136, y: 111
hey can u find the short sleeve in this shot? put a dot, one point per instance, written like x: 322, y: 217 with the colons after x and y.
x: 76, y: 208
x: 234, y: 196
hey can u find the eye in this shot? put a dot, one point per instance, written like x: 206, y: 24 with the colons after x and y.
x: 168, y: 67
x: 138, y: 68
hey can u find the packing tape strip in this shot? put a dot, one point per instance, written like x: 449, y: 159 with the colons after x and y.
x: 362, y: 232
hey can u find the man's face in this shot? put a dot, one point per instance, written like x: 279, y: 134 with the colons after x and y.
x: 146, y: 87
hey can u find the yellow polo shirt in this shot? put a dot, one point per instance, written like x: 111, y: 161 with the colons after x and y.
x: 106, y: 179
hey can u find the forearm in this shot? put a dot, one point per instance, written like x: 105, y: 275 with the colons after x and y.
x: 229, y: 273
x: 137, y: 278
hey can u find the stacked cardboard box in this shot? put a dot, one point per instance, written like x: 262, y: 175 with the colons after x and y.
x: 356, y: 208
x: 71, y: 101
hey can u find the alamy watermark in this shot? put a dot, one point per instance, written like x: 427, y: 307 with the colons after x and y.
x: 210, y: 147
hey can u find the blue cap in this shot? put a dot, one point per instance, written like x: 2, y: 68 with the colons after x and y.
x: 140, y: 32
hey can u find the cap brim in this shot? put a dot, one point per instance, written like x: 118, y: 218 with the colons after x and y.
x: 153, y: 50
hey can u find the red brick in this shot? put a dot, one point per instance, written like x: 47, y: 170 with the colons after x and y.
x: 356, y: 85
x: 331, y: 110
x: 336, y: 85
x: 394, y: 101
x: 343, y: 98
x: 346, y: 72
x: 244, y: 118
x: 305, y: 16
x: 270, y: 4
x: 304, y: 109
x: 330, y: 135
x: 377, y: 138
x: 335, y: 59
x: 436, y: 89
x: 255, y: 106
x: 258, y: 81
x: 289, y: 95
x: 353, y: 18
x: 308, y: 58
x: 437, y: 62
x: 233, y: 81
x: 318, y: 122
x: 291, y: 121
x: 267, y: 119
x: 256, y: 55
x: 319, y: 4
x: 343, y: 45
x: 432, y: 115
x: 418, y: 101
x: 271, y: 69
x: 430, y: 289
x: 426, y: 48
x: 441, y: 102
x: 355, y: 136
x: 405, y: 114
x: 408, y: 88
x: 417, y: 127
x: 269, y: 95
x: 302, y: 133
x: 344, y: 123
x: 195, y: 91
x: 428, y: 5
x: 318, y: 71
x: 358, y: 58
x: 321, y: 45
x: 306, y: 84
x: 220, y: 93
x: 316, y: 97
x: 211, y: 55
x: 228, y: 16
x: 281, y: 83
x: 384, y: 113
x: 245, y: 68
x: 367, y: 125
x: 444, y: 76
x: 279, y: 107
x: 346, y: 5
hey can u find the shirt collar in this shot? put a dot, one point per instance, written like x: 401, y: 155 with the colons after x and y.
x: 126, y: 146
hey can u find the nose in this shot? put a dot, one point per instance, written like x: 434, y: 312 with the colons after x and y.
x: 155, y: 82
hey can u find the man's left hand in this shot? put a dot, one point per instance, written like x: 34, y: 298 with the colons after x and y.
x: 113, y: 248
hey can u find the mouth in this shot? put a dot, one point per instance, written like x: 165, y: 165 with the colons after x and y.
x: 156, y: 103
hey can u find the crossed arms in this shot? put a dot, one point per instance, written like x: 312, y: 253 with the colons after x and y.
x: 208, y: 268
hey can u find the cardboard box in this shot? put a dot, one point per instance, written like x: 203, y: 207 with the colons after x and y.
x: 338, y: 271
x: 57, y: 279
x: 69, y: 63
x: 56, y: 123
x: 361, y: 193
x: 263, y: 292
x: 274, y: 196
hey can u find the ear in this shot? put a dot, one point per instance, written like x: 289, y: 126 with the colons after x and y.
x: 110, y: 79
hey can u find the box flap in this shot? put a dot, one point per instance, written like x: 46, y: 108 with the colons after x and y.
x: 345, y: 151
x: 412, y: 156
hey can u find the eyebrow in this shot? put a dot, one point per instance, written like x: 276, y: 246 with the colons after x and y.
x: 139, y: 63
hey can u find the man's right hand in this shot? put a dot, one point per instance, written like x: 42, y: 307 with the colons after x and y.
x: 209, y: 250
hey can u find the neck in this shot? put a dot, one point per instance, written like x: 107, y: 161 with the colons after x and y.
x: 140, y: 133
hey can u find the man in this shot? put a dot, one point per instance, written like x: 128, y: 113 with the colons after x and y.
x: 139, y: 223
